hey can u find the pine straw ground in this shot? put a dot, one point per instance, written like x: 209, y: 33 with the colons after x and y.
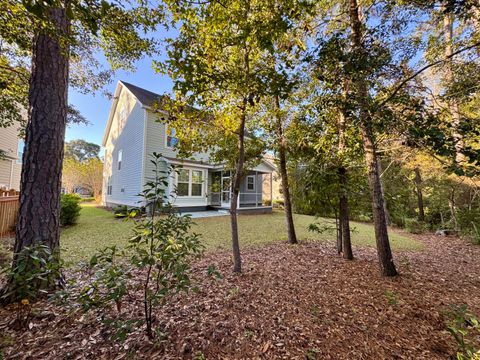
x: 291, y: 302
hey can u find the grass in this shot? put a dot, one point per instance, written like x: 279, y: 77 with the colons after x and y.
x: 97, y: 228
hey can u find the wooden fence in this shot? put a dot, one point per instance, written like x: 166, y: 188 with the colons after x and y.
x: 8, y: 210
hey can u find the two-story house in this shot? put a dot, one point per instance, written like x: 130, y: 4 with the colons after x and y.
x: 10, y: 157
x: 133, y: 132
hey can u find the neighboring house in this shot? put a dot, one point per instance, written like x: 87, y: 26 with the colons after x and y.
x: 276, y: 189
x: 11, y: 147
x: 133, y: 133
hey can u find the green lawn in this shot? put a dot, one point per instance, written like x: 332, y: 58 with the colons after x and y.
x: 98, y: 228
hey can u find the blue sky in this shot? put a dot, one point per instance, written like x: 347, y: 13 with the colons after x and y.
x: 96, y: 107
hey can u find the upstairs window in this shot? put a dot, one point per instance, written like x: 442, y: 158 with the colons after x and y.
x: 172, y: 140
x: 120, y: 156
x: 183, y: 181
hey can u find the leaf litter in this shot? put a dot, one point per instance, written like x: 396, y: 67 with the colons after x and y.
x: 290, y: 302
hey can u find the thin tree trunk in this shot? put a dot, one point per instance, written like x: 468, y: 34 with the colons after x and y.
x: 345, y: 215
x: 453, y: 208
x: 346, y: 243
x: 449, y: 78
x: 387, y: 266
x: 38, y: 220
x: 418, y: 185
x: 292, y: 237
x: 236, y: 181
x: 338, y: 227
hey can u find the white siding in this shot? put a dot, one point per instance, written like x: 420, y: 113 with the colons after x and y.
x: 126, y: 135
x: 155, y: 141
x: 10, y: 170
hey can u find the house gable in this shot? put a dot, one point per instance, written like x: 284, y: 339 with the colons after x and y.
x: 124, y: 149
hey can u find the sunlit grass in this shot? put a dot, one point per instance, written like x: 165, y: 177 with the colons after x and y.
x: 97, y: 228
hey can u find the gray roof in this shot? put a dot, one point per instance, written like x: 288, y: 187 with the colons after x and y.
x: 146, y: 97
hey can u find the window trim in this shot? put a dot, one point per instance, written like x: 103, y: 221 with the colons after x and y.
x: 109, y: 186
x: 183, y: 182
x: 190, y: 182
x: 254, y: 183
x: 196, y: 183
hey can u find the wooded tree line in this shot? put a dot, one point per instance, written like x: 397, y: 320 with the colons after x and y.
x: 337, y: 89
x: 82, y: 167
x: 324, y: 84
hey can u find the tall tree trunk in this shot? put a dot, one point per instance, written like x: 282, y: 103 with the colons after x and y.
x: 387, y: 267
x: 346, y: 243
x: 282, y: 149
x: 418, y: 185
x: 385, y: 208
x: 449, y: 78
x: 236, y: 181
x: 38, y: 220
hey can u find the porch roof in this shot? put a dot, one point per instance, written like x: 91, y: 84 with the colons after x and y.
x: 264, y: 166
x: 188, y: 162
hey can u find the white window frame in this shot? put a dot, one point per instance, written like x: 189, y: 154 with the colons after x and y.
x: 254, y: 183
x: 166, y: 138
x: 119, y: 159
x: 109, y: 186
x: 190, y: 182
x: 196, y: 183
x: 183, y: 182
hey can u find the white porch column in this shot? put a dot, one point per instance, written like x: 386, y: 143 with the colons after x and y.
x: 256, y: 189
x: 271, y: 190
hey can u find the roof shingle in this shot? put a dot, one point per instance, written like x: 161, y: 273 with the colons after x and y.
x: 146, y: 97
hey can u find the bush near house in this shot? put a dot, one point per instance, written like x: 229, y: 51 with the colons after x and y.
x: 69, y: 209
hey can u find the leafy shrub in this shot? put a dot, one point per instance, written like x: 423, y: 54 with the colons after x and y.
x: 469, y: 224
x: 465, y: 329
x: 120, y: 211
x: 363, y: 218
x: 161, y: 249
x: 69, y: 209
x: 109, y: 281
x: 278, y: 203
x: 88, y: 199
x: 414, y: 226
x: 36, y: 270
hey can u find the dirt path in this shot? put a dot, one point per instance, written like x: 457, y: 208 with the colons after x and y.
x: 291, y: 302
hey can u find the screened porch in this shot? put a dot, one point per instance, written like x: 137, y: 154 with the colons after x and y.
x: 255, y: 190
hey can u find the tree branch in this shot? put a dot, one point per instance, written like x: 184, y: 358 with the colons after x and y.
x: 418, y: 72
